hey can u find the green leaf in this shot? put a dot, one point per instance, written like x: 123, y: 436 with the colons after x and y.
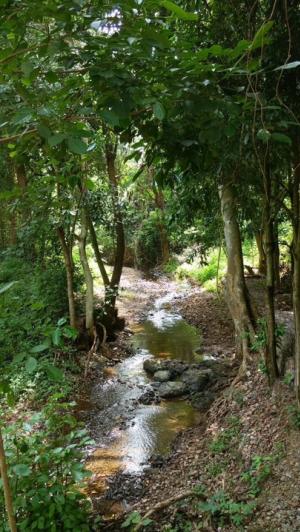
x: 281, y: 137
x: 21, y: 470
x: 44, y: 131
x: 56, y: 336
x: 6, y: 287
x: 41, y: 347
x: 77, y: 145
x: 54, y: 373
x: 56, y: 139
x: 159, y: 111
x: 31, y: 364
x: 264, y: 135
x: 110, y: 117
x: 178, y: 11
x: 259, y: 38
x: 288, y: 66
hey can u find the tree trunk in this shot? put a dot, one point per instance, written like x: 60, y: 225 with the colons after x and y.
x: 270, y: 354
x: 89, y: 296
x: 296, y: 276
x: 261, y: 252
x: 6, y: 488
x: 67, y: 254
x: 276, y: 256
x: 110, y: 152
x: 160, y: 204
x: 236, y: 290
x: 96, y: 249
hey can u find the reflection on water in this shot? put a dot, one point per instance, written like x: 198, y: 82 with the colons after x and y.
x: 174, y: 339
x: 128, y: 432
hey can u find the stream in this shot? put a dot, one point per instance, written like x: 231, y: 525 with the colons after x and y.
x: 127, y: 433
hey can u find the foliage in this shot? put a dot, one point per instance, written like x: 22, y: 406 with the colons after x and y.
x: 224, y: 439
x: 223, y: 509
x: 260, y: 470
x: 294, y: 414
x: 134, y: 519
x: 44, y: 453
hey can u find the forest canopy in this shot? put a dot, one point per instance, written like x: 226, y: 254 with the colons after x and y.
x: 151, y: 134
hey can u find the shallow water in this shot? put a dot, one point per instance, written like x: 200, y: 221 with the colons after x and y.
x: 128, y: 433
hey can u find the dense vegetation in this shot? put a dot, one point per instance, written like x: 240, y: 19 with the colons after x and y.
x: 144, y: 133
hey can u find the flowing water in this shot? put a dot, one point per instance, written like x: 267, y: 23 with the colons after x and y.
x: 128, y: 433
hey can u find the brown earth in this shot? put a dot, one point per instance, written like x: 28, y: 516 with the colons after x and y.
x: 244, y: 446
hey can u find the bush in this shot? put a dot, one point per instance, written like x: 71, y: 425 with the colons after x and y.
x: 44, y: 455
x: 148, y: 246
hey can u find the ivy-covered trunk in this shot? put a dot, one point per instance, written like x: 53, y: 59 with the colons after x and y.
x: 236, y: 291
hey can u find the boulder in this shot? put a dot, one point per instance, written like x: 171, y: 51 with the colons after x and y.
x: 149, y: 397
x: 162, y: 375
x: 153, y: 365
x: 171, y: 389
x: 196, y: 379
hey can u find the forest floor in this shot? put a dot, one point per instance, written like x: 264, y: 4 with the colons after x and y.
x: 245, y: 448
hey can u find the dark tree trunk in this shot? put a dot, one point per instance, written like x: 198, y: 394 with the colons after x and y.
x: 89, y: 296
x: 112, y: 292
x: 236, y: 290
x: 261, y: 253
x: 296, y: 275
x: 160, y: 204
x: 96, y: 249
x: 67, y: 254
x: 270, y: 351
x: 276, y: 256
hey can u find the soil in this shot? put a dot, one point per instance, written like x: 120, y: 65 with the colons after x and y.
x: 247, y: 420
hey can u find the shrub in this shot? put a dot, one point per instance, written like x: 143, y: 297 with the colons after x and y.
x: 44, y: 454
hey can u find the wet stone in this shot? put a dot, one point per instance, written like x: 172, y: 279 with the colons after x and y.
x: 162, y: 375
x: 196, y: 379
x: 172, y: 389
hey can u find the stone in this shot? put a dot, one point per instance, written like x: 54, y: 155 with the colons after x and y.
x: 196, y: 379
x: 162, y: 375
x: 172, y: 389
x: 152, y: 365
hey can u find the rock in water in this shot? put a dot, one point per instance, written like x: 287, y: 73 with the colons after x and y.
x: 172, y: 389
x: 152, y: 366
x: 162, y: 375
x: 195, y: 380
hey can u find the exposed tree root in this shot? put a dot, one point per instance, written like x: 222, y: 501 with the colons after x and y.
x: 168, y: 502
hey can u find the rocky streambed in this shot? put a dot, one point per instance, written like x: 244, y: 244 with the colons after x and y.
x: 145, y: 401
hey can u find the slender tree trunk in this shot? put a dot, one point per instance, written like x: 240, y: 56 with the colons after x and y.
x: 89, y: 296
x: 160, y: 204
x: 270, y: 350
x: 296, y: 275
x: 96, y: 249
x: 261, y: 252
x: 236, y: 290
x: 67, y: 254
x: 271, y: 360
x: 111, y: 152
x: 6, y: 488
x: 276, y: 256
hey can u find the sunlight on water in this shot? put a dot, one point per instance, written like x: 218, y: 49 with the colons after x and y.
x: 151, y: 429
